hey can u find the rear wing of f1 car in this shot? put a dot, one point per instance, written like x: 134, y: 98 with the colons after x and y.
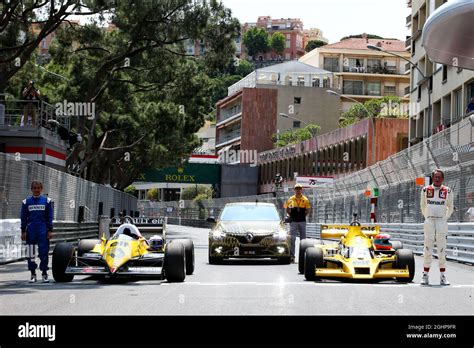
x: 145, y: 225
x: 337, y: 231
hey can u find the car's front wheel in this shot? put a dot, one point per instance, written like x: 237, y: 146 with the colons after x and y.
x: 62, y: 255
x: 305, y: 244
x: 189, y: 251
x: 405, y: 258
x: 175, y: 262
x: 313, y: 258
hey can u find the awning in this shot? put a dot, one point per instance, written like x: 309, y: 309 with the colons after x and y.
x: 448, y: 34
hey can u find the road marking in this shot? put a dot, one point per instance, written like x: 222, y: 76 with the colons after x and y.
x: 322, y: 284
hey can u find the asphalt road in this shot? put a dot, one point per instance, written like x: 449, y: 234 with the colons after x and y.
x: 237, y: 288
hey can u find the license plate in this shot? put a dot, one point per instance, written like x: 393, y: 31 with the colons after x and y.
x: 145, y: 269
x: 360, y: 262
x: 249, y: 252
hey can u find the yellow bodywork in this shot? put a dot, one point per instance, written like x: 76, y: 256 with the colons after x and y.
x: 379, y: 266
x: 117, y: 252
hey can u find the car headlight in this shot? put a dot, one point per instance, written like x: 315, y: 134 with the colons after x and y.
x: 280, y: 236
x: 218, y: 235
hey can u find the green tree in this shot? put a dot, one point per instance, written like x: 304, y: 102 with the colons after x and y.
x: 256, y: 41
x: 277, y: 42
x: 294, y: 136
x: 391, y: 107
x: 190, y: 193
x: 18, y: 42
x: 152, y: 194
x: 312, y: 44
x: 131, y: 190
x: 150, y: 98
x: 244, y: 67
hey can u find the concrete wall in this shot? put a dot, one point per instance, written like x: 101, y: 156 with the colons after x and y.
x: 317, y: 106
x: 238, y: 180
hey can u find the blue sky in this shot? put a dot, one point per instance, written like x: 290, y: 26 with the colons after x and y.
x: 336, y: 18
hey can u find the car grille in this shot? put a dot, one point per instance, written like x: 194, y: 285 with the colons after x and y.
x: 362, y: 270
x: 257, y: 239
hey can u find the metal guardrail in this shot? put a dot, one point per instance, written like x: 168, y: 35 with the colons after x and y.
x: 12, y: 248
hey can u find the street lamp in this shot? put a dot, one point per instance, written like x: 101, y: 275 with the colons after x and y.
x: 380, y: 49
x: 329, y: 91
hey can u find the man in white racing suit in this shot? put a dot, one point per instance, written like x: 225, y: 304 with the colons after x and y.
x: 436, y: 207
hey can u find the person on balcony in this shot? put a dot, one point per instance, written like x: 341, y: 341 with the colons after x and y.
x: 470, y: 106
x: 31, y: 95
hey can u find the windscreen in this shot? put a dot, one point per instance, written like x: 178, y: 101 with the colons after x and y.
x: 250, y: 213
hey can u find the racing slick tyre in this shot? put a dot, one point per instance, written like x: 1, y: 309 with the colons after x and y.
x: 189, y: 251
x: 313, y: 258
x: 175, y: 263
x: 305, y: 244
x: 396, y: 245
x: 286, y: 260
x: 86, y: 245
x: 62, y: 254
x: 405, y: 258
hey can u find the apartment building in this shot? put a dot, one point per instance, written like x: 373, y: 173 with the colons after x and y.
x: 275, y: 99
x: 448, y: 89
x: 363, y: 73
x: 291, y: 28
x: 313, y: 34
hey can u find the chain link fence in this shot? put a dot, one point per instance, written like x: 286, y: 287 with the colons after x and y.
x: 68, y: 192
x: 451, y: 150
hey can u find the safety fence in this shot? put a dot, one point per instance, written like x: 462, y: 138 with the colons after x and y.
x: 12, y: 248
x: 70, y: 194
x: 451, y: 150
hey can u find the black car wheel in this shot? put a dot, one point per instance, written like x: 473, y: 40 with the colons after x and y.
x: 405, y: 258
x: 213, y: 260
x: 175, y: 262
x: 189, y: 251
x: 305, y: 244
x: 285, y: 260
x: 62, y: 255
x: 313, y: 258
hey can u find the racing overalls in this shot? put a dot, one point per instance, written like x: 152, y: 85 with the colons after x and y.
x: 436, y: 207
x: 36, y: 221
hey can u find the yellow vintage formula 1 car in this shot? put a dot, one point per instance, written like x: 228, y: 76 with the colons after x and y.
x: 361, y: 252
x: 126, y: 253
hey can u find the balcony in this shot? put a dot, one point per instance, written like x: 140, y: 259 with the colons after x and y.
x: 230, y: 114
x: 408, y: 43
x: 376, y: 69
x: 226, y: 138
x: 407, y: 68
x: 361, y: 91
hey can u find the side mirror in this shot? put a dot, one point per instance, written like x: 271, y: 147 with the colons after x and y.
x: 211, y: 219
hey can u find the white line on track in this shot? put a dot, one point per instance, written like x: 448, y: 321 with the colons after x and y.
x: 323, y: 284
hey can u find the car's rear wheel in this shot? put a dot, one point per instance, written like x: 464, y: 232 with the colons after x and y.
x: 175, y: 262
x: 189, y: 251
x: 62, y: 255
x: 86, y: 245
x: 305, y: 244
x: 313, y: 258
x: 405, y: 258
x: 396, y: 245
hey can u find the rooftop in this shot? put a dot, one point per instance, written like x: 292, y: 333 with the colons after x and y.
x: 361, y: 44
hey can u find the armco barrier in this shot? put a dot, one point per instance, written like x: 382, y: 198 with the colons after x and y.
x: 12, y: 248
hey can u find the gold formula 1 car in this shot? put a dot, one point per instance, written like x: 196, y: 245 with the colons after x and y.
x: 362, y: 252
x: 126, y: 253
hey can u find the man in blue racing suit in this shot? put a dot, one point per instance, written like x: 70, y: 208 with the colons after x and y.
x: 37, y: 229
